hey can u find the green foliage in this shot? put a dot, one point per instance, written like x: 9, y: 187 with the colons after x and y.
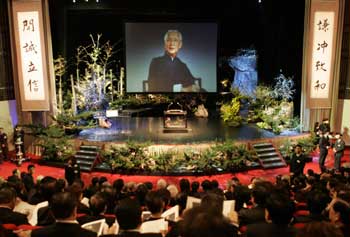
x: 272, y: 113
x: 55, y: 144
x: 307, y: 143
x: 135, y: 101
x: 69, y: 121
x: 221, y: 157
x: 230, y: 112
x: 130, y: 157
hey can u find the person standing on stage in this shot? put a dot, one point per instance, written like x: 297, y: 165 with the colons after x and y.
x: 324, y: 146
x: 338, y: 148
x: 4, y: 145
x: 72, y: 170
x: 297, y: 162
x: 325, y: 127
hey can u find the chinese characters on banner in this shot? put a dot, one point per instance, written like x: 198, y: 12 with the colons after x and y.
x: 31, y: 55
x: 321, y: 54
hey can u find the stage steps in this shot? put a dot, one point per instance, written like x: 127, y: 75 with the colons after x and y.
x: 269, y: 156
x: 86, y: 157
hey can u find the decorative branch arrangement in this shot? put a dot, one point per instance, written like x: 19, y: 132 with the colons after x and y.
x: 94, y: 83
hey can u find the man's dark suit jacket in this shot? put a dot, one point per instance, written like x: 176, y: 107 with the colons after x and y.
x: 270, y: 230
x: 165, y: 72
x: 251, y: 216
x: 134, y: 234
x: 297, y: 164
x: 88, y: 218
x: 7, y: 216
x: 63, y: 230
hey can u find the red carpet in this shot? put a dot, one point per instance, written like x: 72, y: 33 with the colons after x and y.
x: 245, y: 177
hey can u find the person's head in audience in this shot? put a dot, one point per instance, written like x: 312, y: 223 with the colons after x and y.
x: 242, y: 194
x: 310, y: 181
x: 194, y: 186
x: 140, y: 193
x: 77, y: 190
x: 260, y: 192
x: 106, y: 187
x: 118, y: 185
x: 181, y: 200
x: 339, y: 213
x: 149, y: 185
x: 320, y: 229
x: 331, y: 186
x: 198, y: 222
x: 279, y: 208
x: 17, y: 173
x: 343, y: 193
x: 61, y: 185
x: 18, y: 186
x: 206, y: 185
x: 236, y: 181
x: 214, y: 184
x: 310, y: 172
x: 8, y: 197
x: 173, y: 190
x: 130, y: 187
x: 213, y: 203
x: 317, y: 201
x: 98, y: 204
x: 128, y: 214
x: 155, y: 203
x: 184, y: 185
x: 63, y: 206
x: 165, y: 195
x: 230, y: 186
x: 101, y: 180
x: 47, y: 187
x: 161, y: 183
x: 94, y: 181
x: 31, y: 169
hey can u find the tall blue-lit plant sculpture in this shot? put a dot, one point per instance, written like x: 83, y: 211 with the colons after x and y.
x: 246, y: 76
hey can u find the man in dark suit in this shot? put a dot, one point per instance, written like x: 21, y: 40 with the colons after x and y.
x: 28, y: 178
x: 128, y: 214
x: 64, y: 208
x: 168, y: 70
x: 7, y: 204
x: 4, y: 146
x: 324, y: 146
x: 256, y: 214
x: 297, y: 162
x: 325, y: 127
x: 280, y: 211
x: 338, y: 148
x: 98, y: 206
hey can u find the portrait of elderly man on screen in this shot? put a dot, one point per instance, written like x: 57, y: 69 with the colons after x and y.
x: 168, y: 73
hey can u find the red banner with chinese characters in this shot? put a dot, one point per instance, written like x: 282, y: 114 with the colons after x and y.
x: 321, y: 54
x: 30, y: 55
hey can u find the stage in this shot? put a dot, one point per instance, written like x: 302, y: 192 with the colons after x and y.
x: 199, y: 130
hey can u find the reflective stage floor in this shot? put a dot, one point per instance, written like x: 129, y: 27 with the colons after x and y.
x: 199, y: 130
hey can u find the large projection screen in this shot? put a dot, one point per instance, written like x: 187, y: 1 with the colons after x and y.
x: 153, y: 66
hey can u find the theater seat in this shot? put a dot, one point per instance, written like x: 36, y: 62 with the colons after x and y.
x: 28, y: 227
x: 10, y: 226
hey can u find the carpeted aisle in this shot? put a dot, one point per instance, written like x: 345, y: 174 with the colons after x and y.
x: 245, y: 177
